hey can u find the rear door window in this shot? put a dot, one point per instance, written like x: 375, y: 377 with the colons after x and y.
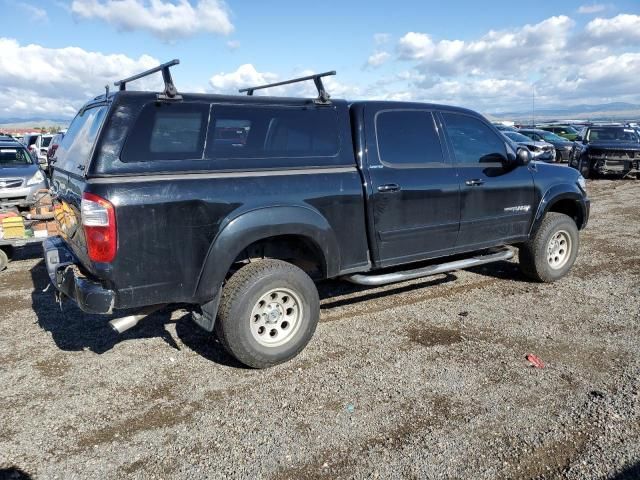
x: 472, y: 140
x: 167, y: 131
x: 408, y: 137
x: 77, y: 144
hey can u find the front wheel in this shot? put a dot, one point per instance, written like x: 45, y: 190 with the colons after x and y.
x: 268, y: 313
x: 552, y: 251
x: 584, y: 167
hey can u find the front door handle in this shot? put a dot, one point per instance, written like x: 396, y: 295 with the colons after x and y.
x: 476, y: 182
x: 389, y: 187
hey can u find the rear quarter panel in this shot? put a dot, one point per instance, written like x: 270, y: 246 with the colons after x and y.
x: 167, y: 223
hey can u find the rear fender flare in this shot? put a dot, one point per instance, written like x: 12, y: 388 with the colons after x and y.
x: 259, y: 224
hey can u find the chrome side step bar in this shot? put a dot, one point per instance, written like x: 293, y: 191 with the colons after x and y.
x: 386, y: 278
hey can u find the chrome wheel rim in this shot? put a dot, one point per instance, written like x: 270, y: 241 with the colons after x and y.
x: 559, y: 250
x: 275, y: 318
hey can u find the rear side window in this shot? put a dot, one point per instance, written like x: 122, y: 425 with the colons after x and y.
x: 408, y: 137
x: 472, y: 140
x: 239, y: 132
x: 77, y: 143
x: 167, y: 131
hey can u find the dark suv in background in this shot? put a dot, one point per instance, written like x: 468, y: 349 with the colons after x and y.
x: 607, y: 150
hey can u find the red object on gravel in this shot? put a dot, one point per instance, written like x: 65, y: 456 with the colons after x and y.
x: 535, y: 361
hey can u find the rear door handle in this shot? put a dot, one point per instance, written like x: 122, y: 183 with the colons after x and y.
x: 476, y: 182
x: 389, y: 187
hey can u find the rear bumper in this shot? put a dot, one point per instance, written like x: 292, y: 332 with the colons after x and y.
x: 64, y: 274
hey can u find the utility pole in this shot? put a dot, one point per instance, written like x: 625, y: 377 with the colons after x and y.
x: 533, y: 106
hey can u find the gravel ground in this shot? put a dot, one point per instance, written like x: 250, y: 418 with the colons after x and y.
x: 424, y: 379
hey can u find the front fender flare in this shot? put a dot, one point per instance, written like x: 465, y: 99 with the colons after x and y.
x: 254, y: 225
x: 562, y: 191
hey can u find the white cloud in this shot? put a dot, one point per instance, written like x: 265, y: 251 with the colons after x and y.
x: 245, y: 76
x: 495, y: 52
x: 378, y: 58
x: 39, y: 80
x: 621, y: 29
x: 248, y: 76
x: 591, y: 8
x: 165, y: 19
x: 233, y: 45
x: 33, y: 13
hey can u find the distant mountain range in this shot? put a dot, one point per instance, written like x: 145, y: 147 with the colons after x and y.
x: 603, y: 111
x: 19, y: 123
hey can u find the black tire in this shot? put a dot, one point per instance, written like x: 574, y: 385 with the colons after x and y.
x: 584, y: 168
x: 558, y: 157
x: 244, y: 291
x: 4, y: 259
x: 535, y: 260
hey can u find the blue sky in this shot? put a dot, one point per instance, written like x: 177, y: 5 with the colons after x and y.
x: 487, y: 56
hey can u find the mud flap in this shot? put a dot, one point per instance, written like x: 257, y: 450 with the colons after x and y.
x: 205, y: 315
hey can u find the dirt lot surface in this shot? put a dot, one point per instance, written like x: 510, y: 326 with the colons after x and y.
x: 424, y: 379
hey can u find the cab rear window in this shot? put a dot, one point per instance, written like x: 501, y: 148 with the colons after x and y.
x: 77, y: 144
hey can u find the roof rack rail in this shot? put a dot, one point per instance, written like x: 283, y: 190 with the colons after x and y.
x: 170, y: 92
x: 323, y: 96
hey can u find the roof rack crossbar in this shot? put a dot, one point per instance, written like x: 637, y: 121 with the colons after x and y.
x: 170, y: 91
x: 323, y: 96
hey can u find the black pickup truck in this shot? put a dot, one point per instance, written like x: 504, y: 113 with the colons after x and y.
x: 236, y: 205
x: 607, y: 150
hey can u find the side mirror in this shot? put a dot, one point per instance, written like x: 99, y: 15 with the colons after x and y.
x: 578, y: 138
x: 523, y: 156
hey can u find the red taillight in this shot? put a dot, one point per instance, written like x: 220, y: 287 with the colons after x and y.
x: 99, y: 222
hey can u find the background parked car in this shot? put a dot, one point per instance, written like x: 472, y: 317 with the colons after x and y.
x: 53, y: 146
x: 566, y: 131
x: 607, y: 149
x: 541, y: 151
x: 38, y: 144
x: 504, y: 128
x: 563, y: 147
x: 20, y: 176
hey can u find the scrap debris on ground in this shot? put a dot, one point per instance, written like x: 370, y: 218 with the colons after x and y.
x: 425, y: 379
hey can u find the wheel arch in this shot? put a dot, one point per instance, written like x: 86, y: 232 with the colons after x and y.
x: 566, y: 199
x: 268, y: 224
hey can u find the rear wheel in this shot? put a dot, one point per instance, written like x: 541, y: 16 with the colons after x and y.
x: 268, y: 312
x: 552, y: 251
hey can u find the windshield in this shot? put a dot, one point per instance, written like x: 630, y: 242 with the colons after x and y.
x: 551, y: 137
x: 46, y: 141
x: 517, y: 137
x: 568, y: 129
x: 612, y: 134
x: 14, y: 156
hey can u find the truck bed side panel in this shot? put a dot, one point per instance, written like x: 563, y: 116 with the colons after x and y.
x: 166, y: 223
